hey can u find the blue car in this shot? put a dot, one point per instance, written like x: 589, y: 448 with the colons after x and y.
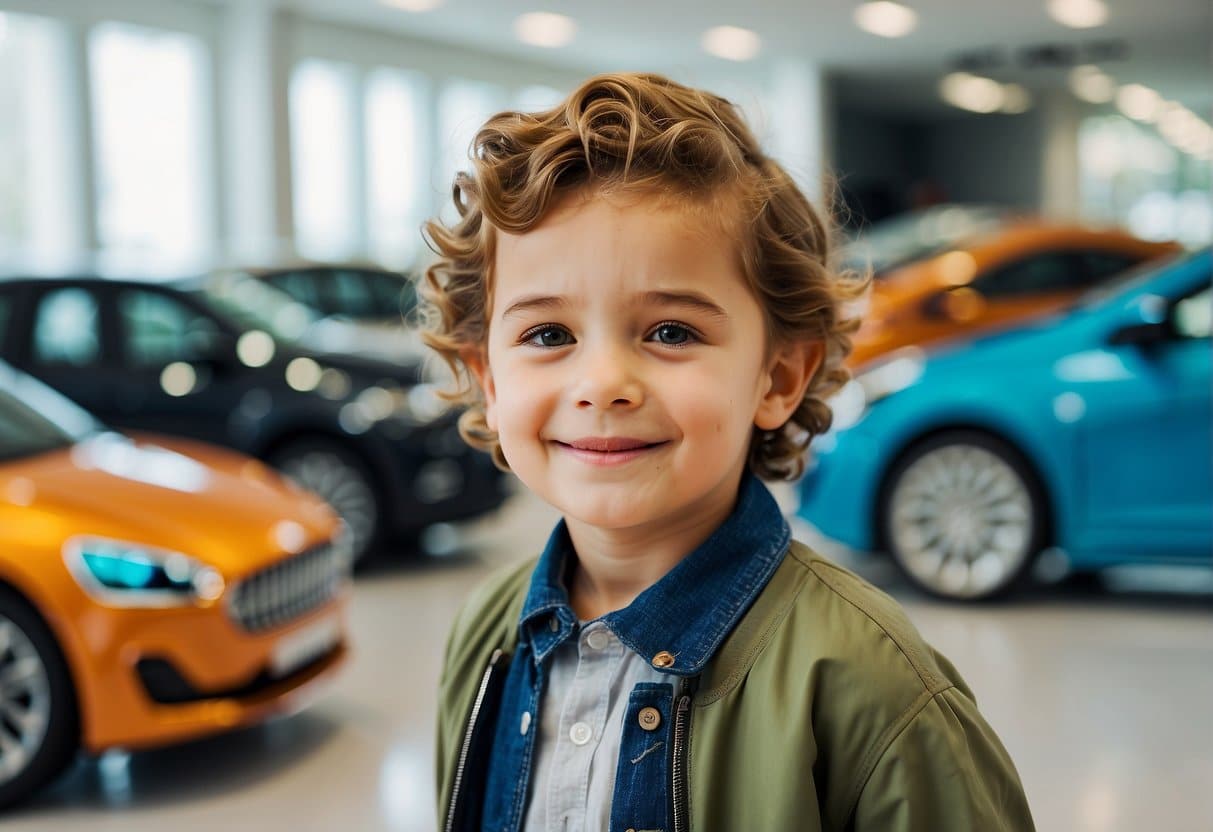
x: 1089, y: 432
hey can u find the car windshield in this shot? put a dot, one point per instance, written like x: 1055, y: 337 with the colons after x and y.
x: 907, y: 238
x: 35, y: 419
x: 254, y: 304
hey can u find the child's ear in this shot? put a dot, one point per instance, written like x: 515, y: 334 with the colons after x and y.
x: 789, y: 372
x: 477, y: 363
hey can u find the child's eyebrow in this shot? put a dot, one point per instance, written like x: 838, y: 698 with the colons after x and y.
x: 690, y: 300
x: 528, y: 303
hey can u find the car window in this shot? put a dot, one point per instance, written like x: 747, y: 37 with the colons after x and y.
x: 158, y: 329
x: 1102, y: 265
x: 299, y: 285
x: 1193, y: 315
x: 393, y: 295
x: 67, y: 328
x: 6, y: 306
x: 1052, y: 272
x: 351, y: 295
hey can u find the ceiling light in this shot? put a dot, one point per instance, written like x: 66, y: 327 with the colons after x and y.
x: 885, y: 18
x: 972, y: 92
x: 412, y: 5
x: 1090, y: 84
x: 1078, y: 14
x: 731, y: 43
x: 1015, y: 99
x: 545, y: 29
x: 1138, y: 102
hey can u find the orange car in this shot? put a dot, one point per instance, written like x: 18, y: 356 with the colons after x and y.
x: 1019, y: 271
x: 150, y: 590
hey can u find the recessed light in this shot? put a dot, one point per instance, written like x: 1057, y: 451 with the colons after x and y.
x: 972, y: 92
x: 886, y: 18
x: 545, y: 29
x: 412, y: 5
x: 1078, y: 14
x: 1138, y: 102
x: 731, y: 43
x: 1091, y: 84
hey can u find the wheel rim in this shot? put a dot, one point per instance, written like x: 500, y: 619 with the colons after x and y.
x: 961, y: 521
x: 343, y: 487
x: 25, y: 700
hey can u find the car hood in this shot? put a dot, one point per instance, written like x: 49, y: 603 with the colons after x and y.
x: 224, y: 509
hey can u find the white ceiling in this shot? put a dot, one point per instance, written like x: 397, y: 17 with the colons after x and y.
x: 1169, y: 40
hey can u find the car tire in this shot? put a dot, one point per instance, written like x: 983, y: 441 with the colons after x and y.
x: 342, y: 480
x: 963, y: 516
x: 39, y: 723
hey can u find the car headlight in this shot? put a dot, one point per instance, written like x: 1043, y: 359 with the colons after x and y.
x: 880, y: 381
x: 119, y: 573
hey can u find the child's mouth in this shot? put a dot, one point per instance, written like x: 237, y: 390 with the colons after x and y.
x: 609, y: 450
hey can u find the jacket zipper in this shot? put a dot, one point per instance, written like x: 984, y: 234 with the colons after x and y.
x: 453, y: 809
x: 682, y: 736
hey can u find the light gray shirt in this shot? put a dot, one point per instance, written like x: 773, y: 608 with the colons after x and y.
x: 580, y: 725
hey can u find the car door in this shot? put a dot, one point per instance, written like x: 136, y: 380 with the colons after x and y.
x: 68, y: 344
x: 1145, y: 440
x: 181, y: 375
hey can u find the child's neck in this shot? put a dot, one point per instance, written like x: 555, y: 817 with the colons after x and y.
x: 613, y: 566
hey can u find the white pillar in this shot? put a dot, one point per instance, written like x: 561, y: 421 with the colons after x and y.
x: 797, y: 115
x: 1059, y: 169
x: 255, y: 161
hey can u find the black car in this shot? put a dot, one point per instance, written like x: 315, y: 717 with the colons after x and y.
x: 197, y: 359
x: 367, y: 294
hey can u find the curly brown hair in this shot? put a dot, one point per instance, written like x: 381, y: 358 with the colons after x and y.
x: 645, y: 133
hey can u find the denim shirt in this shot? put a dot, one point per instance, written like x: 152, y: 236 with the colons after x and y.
x: 685, y: 615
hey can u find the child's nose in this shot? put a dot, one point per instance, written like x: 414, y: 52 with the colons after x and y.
x: 607, y: 380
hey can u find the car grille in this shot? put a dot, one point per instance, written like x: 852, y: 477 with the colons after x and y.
x: 289, y: 589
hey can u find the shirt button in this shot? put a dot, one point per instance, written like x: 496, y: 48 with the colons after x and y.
x: 649, y: 718
x: 526, y: 722
x: 663, y: 659
x: 598, y: 639
x: 580, y: 733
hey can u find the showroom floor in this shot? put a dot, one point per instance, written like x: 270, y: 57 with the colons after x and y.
x: 1101, y: 695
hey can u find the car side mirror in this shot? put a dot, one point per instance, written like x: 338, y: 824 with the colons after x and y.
x: 1142, y: 334
x: 960, y: 305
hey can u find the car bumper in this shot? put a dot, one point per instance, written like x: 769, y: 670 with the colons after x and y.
x: 839, y: 490
x: 157, y: 676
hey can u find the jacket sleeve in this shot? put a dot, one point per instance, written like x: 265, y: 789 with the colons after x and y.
x: 945, y: 771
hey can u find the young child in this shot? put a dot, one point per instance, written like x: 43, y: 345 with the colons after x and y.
x: 642, y: 304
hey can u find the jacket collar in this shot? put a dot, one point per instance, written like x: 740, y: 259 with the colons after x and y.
x: 687, y: 613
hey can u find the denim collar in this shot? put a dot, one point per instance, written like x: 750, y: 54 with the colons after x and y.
x: 687, y: 613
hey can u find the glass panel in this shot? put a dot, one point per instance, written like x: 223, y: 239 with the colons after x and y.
x: 396, y: 165
x: 322, y: 159
x: 38, y: 185
x: 159, y: 330
x: 1046, y: 273
x: 351, y: 295
x: 67, y: 328
x: 299, y: 285
x: 463, y: 106
x: 152, y: 121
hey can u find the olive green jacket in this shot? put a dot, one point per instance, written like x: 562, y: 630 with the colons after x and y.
x: 824, y: 709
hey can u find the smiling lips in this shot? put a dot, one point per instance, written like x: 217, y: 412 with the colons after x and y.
x: 608, y: 450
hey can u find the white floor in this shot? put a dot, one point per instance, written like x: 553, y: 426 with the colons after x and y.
x: 1101, y: 694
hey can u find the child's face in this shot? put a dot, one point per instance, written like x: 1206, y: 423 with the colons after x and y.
x: 627, y: 363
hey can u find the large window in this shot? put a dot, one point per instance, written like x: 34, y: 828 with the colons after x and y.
x: 323, y: 111
x: 37, y: 182
x: 1130, y: 176
x: 463, y: 106
x: 397, y: 165
x: 152, y: 118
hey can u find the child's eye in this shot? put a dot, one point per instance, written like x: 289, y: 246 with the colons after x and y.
x: 547, y: 336
x: 673, y: 335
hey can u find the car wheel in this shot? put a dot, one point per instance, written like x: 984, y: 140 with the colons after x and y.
x: 343, y: 481
x: 962, y: 515
x: 39, y: 727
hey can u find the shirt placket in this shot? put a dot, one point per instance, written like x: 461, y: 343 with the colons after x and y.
x: 582, y: 723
